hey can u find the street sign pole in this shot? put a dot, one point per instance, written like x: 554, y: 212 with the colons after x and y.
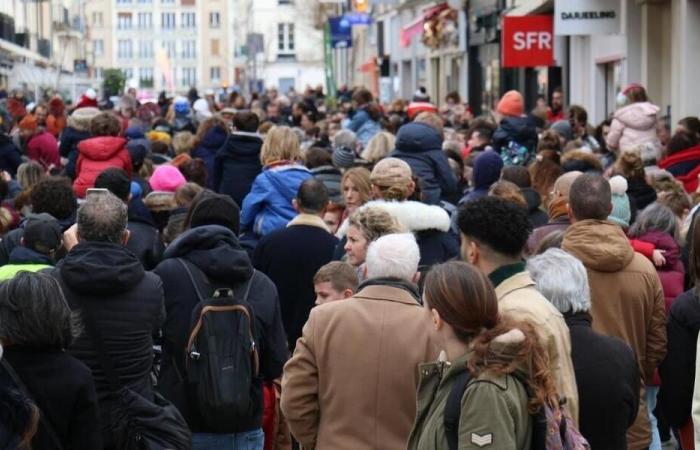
x: 330, y: 69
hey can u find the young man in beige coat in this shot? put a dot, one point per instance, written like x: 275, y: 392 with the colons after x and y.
x: 351, y: 384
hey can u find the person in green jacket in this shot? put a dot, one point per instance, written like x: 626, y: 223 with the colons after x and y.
x: 495, y: 407
x: 41, y: 239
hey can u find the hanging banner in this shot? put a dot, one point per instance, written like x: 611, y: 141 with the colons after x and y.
x: 528, y: 41
x: 586, y: 17
x: 341, y: 32
x: 356, y: 18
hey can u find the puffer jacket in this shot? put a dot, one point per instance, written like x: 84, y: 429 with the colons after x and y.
x: 671, y: 274
x: 685, y: 166
x: 237, y: 164
x: 97, y: 154
x: 627, y: 301
x: 420, y: 145
x: 517, y: 129
x: 268, y: 206
x: 364, y: 127
x: 211, y: 143
x: 634, y: 125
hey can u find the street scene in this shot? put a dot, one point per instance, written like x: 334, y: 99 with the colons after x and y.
x: 349, y: 224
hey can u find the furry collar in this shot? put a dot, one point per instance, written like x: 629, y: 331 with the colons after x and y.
x: 415, y: 216
x: 310, y: 220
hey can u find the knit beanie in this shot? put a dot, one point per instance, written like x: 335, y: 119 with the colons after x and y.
x: 621, y: 213
x: 211, y: 208
x: 138, y: 150
x: 511, y: 104
x: 166, y: 178
x: 563, y: 129
x: 391, y: 172
x: 487, y: 169
x: 343, y: 157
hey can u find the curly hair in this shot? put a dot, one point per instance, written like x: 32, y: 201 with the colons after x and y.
x: 54, y: 195
x: 499, y: 224
x: 374, y: 223
x: 629, y: 165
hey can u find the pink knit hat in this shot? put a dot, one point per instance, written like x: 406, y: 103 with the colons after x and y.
x: 166, y: 178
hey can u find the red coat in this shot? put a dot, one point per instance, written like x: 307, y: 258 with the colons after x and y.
x: 97, y: 154
x: 685, y: 166
x: 43, y: 148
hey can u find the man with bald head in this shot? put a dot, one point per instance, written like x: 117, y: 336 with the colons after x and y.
x: 557, y: 211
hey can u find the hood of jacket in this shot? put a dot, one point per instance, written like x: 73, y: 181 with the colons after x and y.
x: 139, y: 212
x: 519, y: 129
x: 214, y: 138
x: 215, y: 250
x: 487, y: 170
x: 582, y: 161
x: 599, y: 244
x: 414, y: 216
x: 417, y: 137
x: 245, y: 144
x: 640, y: 116
x: 24, y: 255
x: 285, y: 178
x: 533, y: 199
x: 101, y: 148
x: 665, y: 242
x: 101, y: 268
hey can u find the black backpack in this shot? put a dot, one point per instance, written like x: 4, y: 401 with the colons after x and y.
x: 221, y: 356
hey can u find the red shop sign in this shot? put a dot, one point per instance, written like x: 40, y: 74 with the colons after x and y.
x: 528, y: 41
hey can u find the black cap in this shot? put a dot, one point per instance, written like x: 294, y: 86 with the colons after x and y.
x: 42, y: 233
x: 215, y: 209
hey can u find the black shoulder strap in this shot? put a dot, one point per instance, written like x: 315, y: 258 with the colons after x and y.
x: 196, y: 285
x: 453, y: 409
x: 539, y: 419
x: 43, y: 421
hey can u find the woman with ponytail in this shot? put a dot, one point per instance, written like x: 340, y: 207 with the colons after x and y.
x: 505, y: 361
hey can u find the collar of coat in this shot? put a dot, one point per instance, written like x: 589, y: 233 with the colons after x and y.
x: 389, y: 289
x: 501, y: 274
x: 310, y: 220
x: 517, y: 281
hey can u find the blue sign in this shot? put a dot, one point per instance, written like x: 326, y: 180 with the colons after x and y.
x: 355, y: 18
x: 341, y: 32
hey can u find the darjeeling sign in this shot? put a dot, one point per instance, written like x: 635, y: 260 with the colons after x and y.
x: 584, y: 17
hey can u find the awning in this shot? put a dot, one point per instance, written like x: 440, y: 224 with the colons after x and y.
x: 417, y: 26
x: 530, y: 7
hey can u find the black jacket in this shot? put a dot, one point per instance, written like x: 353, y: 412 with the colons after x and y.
x: 640, y: 194
x: 127, y: 306
x: 536, y: 216
x: 63, y: 389
x: 517, y: 129
x: 291, y: 257
x: 144, y: 238
x: 677, y: 370
x: 68, y: 148
x: 216, y: 252
x: 10, y: 156
x: 608, y: 382
x: 237, y: 164
x: 14, y: 239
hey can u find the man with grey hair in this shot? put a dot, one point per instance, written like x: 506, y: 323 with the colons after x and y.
x: 344, y: 149
x: 607, y: 375
x: 117, y: 299
x: 355, y: 367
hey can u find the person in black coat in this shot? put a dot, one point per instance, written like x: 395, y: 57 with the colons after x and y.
x: 520, y: 176
x: 77, y: 130
x: 238, y: 163
x: 211, y: 249
x: 292, y: 256
x: 607, y: 374
x: 103, y: 280
x: 10, y: 156
x: 37, y: 326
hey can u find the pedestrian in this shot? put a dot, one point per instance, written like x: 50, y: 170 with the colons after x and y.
x: 77, y: 130
x: 555, y: 111
x: 634, y: 124
x: 335, y: 281
x: 56, y: 120
x: 630, y: 165
x: 10, y: 157
x: 365, y: 119
x: 487, y: 170
x: 319, y: 161
x: 330, y: 400
x: 520, y: 176
x: 515, y: 139
x: 41, y: 146
x: 682, y: 158
x: 41, y: 241
x: 210, y: 139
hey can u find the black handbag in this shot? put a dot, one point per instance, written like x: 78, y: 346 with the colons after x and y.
x: 136, y: 422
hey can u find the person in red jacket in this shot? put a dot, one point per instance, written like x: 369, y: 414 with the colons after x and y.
x: 104, y: 150
x: 42, y: 146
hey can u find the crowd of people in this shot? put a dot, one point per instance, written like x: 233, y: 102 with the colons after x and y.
x: 298, y: 271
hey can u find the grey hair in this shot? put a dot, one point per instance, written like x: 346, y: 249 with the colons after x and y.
x: 102, y: 218
x: 393, y: 256
x: 345, y: 138
x: 655, y: 217
x: 562, y: 279
x: 34, y: 312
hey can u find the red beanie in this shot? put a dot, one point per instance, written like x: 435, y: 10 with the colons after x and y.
x: 511, y: 104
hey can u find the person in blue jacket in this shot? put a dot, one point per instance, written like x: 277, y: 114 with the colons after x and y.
x: 365, y: 120
x: 211, y: 137
x: 419, y: 143
x: 268, y: 206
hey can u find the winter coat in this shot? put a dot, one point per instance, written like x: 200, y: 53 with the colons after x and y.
x: 237, y: 164
x: 144, y: 238
x: 538, y: 234
x: 13, y: 239
x: 331, y: 400
x: 331, y: 179
x: 24, y: 259
x: 671, y: 274
x: 97, y: 154
x: 495, y: 405
x: 215, y: 251
x: 63, y: 389
x: 420, y: 145
x: 516, y: 129
x: 634, y: 125
x: 685, y: 166
x: 126, y: 304
x: 536, y: 216
x: 627, y: 301
x: 305, y: 244
x: 68, y: 147
x: 487, y: 170
x: 640, y: 194
x: 608, y: 405
x: 363, y: 125
x: 582, y: 161
x: 10, y: 156
x: 43, y: 148
x: 268, y: 205
x: 211, y: 143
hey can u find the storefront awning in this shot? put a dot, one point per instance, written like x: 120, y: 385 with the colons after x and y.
x: 530, y: 7
x: 416, y: 27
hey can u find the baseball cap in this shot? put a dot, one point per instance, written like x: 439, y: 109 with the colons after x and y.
x: 42, y: 233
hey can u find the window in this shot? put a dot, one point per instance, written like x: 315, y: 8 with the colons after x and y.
x: 98, y: 72
x: 285, y: 38
x: 215, y: 74
x: 214, y: 20
x: 146, y: 49
x: 285, y: 2
x: 167, y: 21
x: 98, y: 46
x: 146, y: 1
x: 215, y: 47
x: 125, y: 48
x: 124, y: 21
x: 189, y: 49
x: 168, y: 1
x: 128, y: 74
x: 187, y: 19
x: 146, y: 77
x: 169, y: 47
x: 97, y: 19
x: 123, y: 2
x: 145, y: 20
x: 189, y: 76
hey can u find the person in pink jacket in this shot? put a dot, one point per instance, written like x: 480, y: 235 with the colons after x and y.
x: 634, y: 124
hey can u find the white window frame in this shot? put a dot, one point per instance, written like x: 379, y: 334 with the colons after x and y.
x: 286, y: 43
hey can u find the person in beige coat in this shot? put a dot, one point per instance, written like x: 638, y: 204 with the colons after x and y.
x: 351, y: 383
x: 627, y: 299
x: 494, y: 233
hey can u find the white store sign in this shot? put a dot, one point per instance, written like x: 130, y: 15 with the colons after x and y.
x: 585, y: 17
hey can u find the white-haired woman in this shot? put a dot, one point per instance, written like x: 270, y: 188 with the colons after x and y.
x: 607, y: 375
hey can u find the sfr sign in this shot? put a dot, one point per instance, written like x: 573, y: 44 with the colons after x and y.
x: 528, y: 41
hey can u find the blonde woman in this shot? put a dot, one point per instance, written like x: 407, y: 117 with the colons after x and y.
x: 268, y: 206
x: 379, y: 147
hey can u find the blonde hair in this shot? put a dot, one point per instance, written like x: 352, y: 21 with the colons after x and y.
x: 183, y: 142
x: 360, y: 178
x: 374, y: 223
x: 432, y: 119
x: 379, y: 147
x: 280, y: 144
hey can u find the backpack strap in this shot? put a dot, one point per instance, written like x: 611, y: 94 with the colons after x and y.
x: 453, y: 409
x: 539, y: 419
x: 196, y: 285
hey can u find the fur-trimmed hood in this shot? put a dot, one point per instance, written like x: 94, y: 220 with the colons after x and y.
x: 415, y: 216
x: 80, y: 118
